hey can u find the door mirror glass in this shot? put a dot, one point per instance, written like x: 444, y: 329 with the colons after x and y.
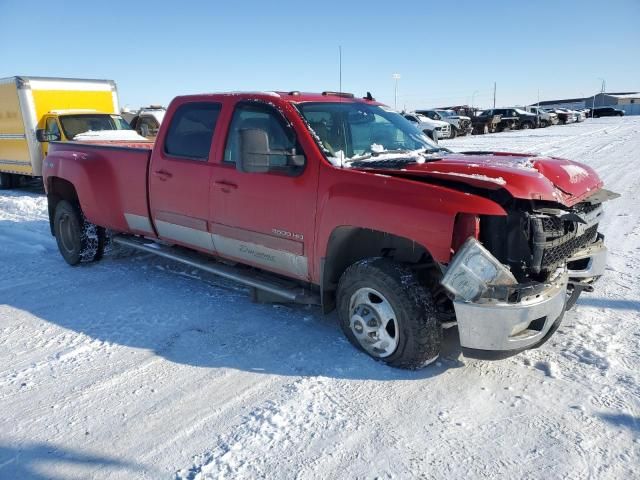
x: 44, y: 136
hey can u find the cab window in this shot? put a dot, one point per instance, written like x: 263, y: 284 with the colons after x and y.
x: 257, y: 115
x: 52, y: 126
x: 191, y: 130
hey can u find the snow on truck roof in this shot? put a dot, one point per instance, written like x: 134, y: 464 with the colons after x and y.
x: 294, y: 96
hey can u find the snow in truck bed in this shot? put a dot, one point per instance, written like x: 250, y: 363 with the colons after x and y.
x: 135, y: 367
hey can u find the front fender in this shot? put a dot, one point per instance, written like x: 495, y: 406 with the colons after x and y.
x: 418, y: 211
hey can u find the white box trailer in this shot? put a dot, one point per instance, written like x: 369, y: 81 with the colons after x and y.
x: 28, y: 104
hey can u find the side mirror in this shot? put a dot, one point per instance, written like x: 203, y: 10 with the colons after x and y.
x: 254, y: 151
x: 256, y: 154
x: 43, y: 136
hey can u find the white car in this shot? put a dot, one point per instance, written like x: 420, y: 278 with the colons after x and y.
x: 545, y: 117
x: 435, y: 129
x: 460, y: 124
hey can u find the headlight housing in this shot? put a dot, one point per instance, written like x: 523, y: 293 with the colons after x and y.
x: 472, y: 270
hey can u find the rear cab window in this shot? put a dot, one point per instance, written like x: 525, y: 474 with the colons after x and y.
x: 191, y: 130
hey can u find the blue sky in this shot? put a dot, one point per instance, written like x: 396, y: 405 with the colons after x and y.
x: 444, y: 51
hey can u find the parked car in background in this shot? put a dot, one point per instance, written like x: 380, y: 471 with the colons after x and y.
x: 572, y: 116
x: 544, y: 117
x: 148, y: 120
x: 509, y: 120
x: 564, y: 116
x: 460, y: 124
x: 607, y: 112
x: 435, y: 129
x: 513, y: 118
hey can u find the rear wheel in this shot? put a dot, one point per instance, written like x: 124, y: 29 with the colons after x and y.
x: 78, y: 240
x: 386, y: 312
x: 7, y: 181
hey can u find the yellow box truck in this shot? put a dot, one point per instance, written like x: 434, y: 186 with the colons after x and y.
x: 36, y: 110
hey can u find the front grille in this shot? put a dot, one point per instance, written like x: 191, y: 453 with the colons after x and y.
x: 554, y: 256
x: 555, y: 240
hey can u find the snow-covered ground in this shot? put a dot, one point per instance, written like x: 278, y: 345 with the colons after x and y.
x: 135, y: 367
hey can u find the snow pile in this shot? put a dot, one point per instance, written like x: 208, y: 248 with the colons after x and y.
x: 476, y: 176
x: 109, y: 135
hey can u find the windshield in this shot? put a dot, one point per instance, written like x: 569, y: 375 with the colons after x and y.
x: 73, y: 125
x: 356, y: 131
x: 520, y: 111
x: 423, y: 118
x: 446, y: 113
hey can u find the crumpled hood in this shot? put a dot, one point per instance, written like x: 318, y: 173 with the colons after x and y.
x: 524, y: 176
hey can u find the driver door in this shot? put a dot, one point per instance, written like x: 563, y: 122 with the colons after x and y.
x: 264, y: 219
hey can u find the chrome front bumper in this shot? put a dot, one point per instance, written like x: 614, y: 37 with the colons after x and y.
x: 500, y: 326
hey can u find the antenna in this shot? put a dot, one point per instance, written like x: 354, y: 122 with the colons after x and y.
x: 340, y: 69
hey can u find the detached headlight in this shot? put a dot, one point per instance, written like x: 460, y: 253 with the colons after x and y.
x: 472, y: 270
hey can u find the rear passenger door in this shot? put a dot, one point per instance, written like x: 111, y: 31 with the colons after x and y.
x: 180, y: 176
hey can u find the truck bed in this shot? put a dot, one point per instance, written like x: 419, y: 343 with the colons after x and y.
x: 110, y: 178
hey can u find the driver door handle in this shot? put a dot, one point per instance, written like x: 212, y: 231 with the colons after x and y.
x: 226, y: 185
x: 163, y: 174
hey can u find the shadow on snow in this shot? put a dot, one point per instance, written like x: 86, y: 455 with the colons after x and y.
x: 188, y: 316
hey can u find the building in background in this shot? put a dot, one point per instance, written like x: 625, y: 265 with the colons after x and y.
x: 570, y: 103
x: 627, y: 101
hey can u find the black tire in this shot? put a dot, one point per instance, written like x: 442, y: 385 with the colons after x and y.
x: 454, y: 132
x: 525, y: 126
x: 419, y: 333
x: 78, y: 240
x: 544, y: 124
x: 7, y: 181
x: 621, y: 114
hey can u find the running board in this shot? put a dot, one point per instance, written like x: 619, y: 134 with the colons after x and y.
x: 265, y: 289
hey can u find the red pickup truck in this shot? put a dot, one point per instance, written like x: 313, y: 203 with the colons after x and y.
x: 339, y: 201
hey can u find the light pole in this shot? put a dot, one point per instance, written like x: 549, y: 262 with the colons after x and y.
x: 396, y: 77
x: 473, y: 97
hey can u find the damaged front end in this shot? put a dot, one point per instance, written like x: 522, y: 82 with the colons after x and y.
x: 512, y: 285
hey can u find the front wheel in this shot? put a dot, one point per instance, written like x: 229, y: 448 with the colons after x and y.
x: 526, y: 126
x: 7, y: 181
x: 453, y: 133
x: 385, y: 311
x: 78, y: 240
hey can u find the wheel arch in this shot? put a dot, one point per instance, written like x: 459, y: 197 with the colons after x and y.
x: 59, y: 189
x: 348, y: 244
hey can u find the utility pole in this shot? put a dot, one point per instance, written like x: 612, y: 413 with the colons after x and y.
x: 494, y: 94
x: 396, y: 77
